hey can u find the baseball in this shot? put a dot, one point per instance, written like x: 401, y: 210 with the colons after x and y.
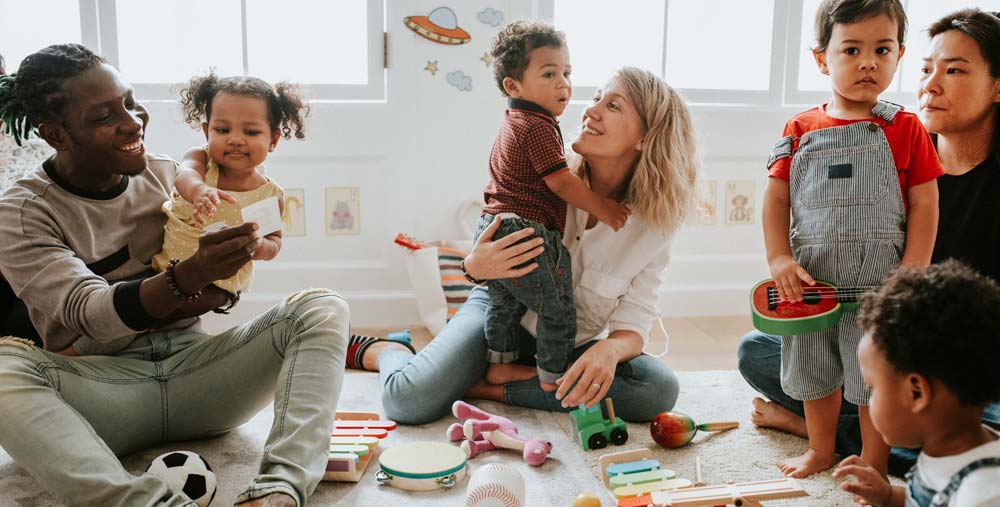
x: 495, y: 485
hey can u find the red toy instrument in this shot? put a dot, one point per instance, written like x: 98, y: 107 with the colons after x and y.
x: 674, y: 429
x: 409, y: 242
x: 820, y: 308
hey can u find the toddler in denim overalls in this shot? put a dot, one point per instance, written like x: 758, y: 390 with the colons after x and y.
x: 858, y: 176
x: 930, y: 380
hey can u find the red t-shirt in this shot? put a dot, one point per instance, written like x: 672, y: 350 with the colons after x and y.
x: 912, y: 149
x: 528, y: 149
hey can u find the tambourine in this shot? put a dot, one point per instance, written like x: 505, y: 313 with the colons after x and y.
x: 421, y: 466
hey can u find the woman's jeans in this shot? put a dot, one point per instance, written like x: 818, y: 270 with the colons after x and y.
x: 760, y: 364
x: 66, y: 419
x: 418, y: 389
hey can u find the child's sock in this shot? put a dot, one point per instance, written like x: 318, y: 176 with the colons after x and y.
x: 358, y: 345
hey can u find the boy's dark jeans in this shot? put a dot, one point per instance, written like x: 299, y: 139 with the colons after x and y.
x: 548, y: 291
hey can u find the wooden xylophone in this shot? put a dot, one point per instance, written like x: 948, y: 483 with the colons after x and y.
x: 354, y: 442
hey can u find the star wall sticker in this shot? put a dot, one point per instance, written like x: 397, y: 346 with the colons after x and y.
x: 432, y: 67
x: 486, y: 59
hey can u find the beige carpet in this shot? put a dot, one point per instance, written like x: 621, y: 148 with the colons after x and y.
x: 740, y: 455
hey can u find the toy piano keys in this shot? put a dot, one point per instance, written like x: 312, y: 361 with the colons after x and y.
x: 353, y: 444
x: 631, y: 474
x: 638, y: 481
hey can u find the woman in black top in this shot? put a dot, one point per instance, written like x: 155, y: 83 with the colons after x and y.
x: 959, y: 96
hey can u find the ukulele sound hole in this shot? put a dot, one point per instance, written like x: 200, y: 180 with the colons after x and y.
x: 810, y: 298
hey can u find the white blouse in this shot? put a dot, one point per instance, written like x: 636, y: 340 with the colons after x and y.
x: 616, y: 276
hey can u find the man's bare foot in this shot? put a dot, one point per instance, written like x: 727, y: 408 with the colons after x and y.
x: 500, y: 374
x: 547, y: 387
x: 370, y: 360
x: 768, y: 414
x: 272, y: 500
x: 809, y: 463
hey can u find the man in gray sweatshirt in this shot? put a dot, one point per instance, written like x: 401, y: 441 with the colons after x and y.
x: 76, y: 239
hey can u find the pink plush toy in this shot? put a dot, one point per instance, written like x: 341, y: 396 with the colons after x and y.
x: 483, y: 432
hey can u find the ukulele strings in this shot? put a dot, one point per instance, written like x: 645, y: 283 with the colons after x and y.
x: 826, y: 293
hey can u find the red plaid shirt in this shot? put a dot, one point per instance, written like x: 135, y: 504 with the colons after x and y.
x: 528, y: 149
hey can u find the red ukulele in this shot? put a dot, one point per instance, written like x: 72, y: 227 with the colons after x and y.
x: 820, y: 308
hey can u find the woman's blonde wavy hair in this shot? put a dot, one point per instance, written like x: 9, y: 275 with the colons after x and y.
x: 661, y: 187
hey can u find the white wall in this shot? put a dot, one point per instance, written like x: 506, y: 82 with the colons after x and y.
x: 417, y: 156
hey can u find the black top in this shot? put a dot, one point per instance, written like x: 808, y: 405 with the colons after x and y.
x: 969, y: 225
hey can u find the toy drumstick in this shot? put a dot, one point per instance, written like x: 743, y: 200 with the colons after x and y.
x: 674, y: 429
x: 697, y: 472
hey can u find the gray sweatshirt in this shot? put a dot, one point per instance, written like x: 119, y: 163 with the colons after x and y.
x: 76, y: 257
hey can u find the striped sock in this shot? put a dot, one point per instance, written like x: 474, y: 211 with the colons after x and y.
x: 358, y: 345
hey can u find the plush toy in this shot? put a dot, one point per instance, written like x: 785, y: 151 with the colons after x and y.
x: 483, y: 432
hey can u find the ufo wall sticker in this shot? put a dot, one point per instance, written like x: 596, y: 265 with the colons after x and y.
x: 440, y: 26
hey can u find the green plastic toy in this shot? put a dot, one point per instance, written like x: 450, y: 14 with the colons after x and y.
x: 597, y: 425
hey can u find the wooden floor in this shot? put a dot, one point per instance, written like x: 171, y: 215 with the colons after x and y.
x: 696, y: 343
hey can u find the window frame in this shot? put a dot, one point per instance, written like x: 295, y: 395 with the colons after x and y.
x: 772, y: 97
x: 98, y: 20
x: 794, y: 96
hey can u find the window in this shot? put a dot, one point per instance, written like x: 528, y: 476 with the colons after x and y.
x: 20, y: 35
x: 730, y: 62
x: 813, y: 87
x: 335, y: 48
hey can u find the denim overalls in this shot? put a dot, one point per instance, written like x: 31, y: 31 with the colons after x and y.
x: 919, y: 495
x: 848, y: 228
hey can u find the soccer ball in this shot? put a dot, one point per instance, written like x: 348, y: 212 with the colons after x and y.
x: 186, y: 472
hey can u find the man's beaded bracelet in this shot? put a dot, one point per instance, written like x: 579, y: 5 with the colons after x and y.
x: 187, y: 298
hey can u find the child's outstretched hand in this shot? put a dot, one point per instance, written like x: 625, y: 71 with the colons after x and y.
x: 614, y: 214
x: 206, y: 200
x: 788, y: 276
x: 868, y: 486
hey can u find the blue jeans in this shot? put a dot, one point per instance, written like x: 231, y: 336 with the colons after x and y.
x: 760, y: 364
x: 548, y: 291
x: 66, y: 419
x: 418, y: 389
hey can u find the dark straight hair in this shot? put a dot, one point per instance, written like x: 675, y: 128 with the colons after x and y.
x: 984, y: 28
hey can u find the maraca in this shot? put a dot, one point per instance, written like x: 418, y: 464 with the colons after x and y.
x: 674, y: 429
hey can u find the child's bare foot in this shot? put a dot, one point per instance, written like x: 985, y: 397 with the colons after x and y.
x: 500, y: 374
x: 876, y: 457
x: 547, y: 387
x: 809, y: 463
x: 768, y: 414
x: 272, y: 500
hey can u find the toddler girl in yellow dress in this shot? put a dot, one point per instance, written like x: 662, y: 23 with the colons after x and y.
x: 242, y: 118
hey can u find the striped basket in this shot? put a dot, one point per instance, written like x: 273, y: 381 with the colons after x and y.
x: 456, y: 287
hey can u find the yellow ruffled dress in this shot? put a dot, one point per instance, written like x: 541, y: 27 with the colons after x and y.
x: 180, y: 234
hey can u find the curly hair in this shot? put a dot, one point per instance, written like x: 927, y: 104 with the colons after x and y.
x: 286, y: 110
x: 34, y: 94
x: 941, y: 322
x: 844, y: 12
x: 513, y: 44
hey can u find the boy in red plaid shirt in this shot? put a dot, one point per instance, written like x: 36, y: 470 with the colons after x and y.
x: 530, y: 184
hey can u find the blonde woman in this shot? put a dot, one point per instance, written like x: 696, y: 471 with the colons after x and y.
x: 636, y: 145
